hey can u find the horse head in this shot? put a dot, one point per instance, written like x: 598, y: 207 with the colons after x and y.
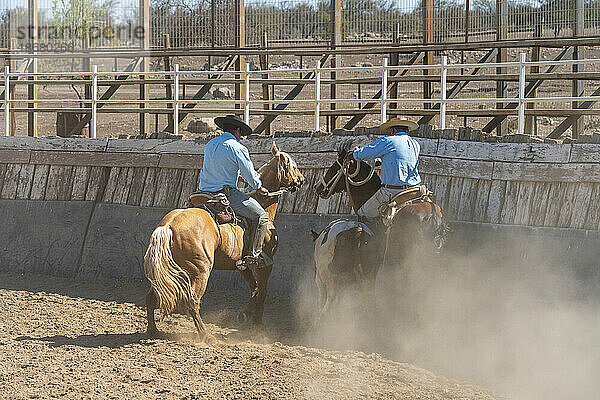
x: 357, y: 173
x: 281, y: 172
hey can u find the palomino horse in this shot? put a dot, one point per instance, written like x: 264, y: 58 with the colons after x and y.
x: 188, y: 244
x: 415, y: 225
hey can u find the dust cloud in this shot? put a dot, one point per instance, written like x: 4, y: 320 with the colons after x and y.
x: 516, y: 314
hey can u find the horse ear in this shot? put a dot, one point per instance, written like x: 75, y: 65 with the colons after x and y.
x: 274, y: 149
x: 314, y: 234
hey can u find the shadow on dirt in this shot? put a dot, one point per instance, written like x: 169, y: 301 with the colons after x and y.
x: 110, y: 340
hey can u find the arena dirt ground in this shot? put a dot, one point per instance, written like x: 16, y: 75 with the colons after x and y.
x: 71, y: 340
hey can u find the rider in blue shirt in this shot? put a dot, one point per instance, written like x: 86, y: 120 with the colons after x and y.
x: 399, y: 154
x: 225, y: 160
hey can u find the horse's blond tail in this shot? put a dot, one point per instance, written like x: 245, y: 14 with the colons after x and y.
x: 169, y: 281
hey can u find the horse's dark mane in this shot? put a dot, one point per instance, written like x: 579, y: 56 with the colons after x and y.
x: 345, y: 147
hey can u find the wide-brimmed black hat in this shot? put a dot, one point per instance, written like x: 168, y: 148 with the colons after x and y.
x: 230, y: 122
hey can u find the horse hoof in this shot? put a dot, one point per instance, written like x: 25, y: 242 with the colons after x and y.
x: 153, y: 333
x: 242, y: 318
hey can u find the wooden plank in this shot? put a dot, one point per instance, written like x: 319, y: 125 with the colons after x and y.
x: 303, y: 193
x: 11, y: 181
x: 149, y: 188
x: 174, y: 185
x: 312, y: 199
x: 495, y: 202
x: 334, y: 203
x: 2, y: 173
x: 95, y: 159
x: 27, y: 143
x: 14, y: 156
x: 519, y: 152
x: 539, y: 203
x: 441, y: 191
x: 467, y: 200
x: 65, y: 183
x: 345, y: 207
x: 286, y: 202
x: 163, y: 178
x: 583, y: 198
x: 322, y: 205
x: 137, y: 186
x: 511, y: 202
x: 568, y: 205
x: 547, y: 172
x: 592, y: 218
x: 80, y: 182
x: 454, y: 197
x: 97, y: 181
x: 585, y: 153
x: 111, y: 184
x: 456, y: 167
x: 53, y: 182
x: 125, y: 181
x: 525, y: 203
x: 481, y: 200
x: 39, y: 182
x: 188, y: 186
x: 25, y: 181
x: 555, y: 200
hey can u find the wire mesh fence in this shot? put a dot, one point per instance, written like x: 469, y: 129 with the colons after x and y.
x: 207, y: 23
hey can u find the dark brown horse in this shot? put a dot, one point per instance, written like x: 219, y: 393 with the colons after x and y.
x: 187, y: 245
x: 418, y: 225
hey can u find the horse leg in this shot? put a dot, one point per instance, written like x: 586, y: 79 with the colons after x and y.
x: 151, y: 305
x: 263, y: 278
x: 244, y: 316
x: 198, y: 289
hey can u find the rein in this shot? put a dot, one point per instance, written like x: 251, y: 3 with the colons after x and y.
x: 343, y: 171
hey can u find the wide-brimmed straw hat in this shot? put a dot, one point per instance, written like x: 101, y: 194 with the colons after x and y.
x: 399, y: 122
x: 230, y: 122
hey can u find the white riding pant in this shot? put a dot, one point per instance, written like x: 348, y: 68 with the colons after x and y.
x: 371, y: 207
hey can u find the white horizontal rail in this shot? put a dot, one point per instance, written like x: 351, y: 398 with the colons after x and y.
x: 313, y: 77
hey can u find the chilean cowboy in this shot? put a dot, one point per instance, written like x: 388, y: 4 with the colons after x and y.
x: 225, y: 160
x: 399, y: 154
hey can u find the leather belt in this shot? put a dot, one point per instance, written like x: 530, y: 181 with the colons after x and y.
x: 396, y: 187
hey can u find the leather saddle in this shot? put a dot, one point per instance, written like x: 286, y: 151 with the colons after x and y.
x: 415, y: 194
x: 217, y: 205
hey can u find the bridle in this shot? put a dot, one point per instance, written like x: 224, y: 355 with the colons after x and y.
x: 343, y: 170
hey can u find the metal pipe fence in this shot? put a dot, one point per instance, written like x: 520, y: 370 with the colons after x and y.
x: 255, y: 77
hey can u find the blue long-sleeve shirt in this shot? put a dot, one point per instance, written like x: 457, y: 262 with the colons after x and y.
x: 399, y: 158
x: 225, y: 159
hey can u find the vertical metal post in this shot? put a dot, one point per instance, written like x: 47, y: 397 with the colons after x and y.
x: 94, y: 121
x: 168, y: 88
x: 522, y: 58
x: 428, y: 38
x: 33, y: 67
x: 501, y: 34
x: 176, y: 99
x: 578, y: 86
x: 247, y: 93
x: 144, y: 21
x: 443, y: 71
x: 384, y: 84
x: 240, y: 42
x: 6, y: 101
x: 317, y: 95
x: 335, y: 8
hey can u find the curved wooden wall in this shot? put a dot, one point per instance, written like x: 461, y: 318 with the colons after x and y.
x: 548, y: 185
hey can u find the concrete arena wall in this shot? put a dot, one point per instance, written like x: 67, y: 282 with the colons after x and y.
x: 106, y: 243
